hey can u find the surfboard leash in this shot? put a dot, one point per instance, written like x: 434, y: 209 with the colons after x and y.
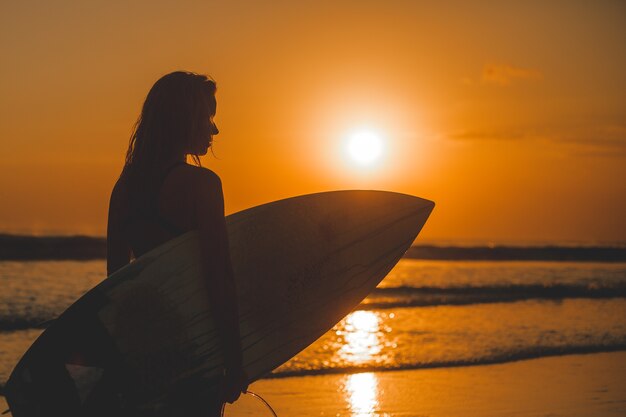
x: 257, y: 396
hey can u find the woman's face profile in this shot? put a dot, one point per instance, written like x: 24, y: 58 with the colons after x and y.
x: 203, y: 137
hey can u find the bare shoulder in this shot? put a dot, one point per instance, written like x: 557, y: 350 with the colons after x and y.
x: 118, y: 205
x: 207, y: 200
x: 118, y: 193
x: 203, y: 178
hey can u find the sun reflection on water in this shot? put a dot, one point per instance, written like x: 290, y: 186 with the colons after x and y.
x: 362, y: 394
x: 362, y: 341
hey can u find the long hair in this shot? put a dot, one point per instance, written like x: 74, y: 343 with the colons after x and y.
x: 169, y: 118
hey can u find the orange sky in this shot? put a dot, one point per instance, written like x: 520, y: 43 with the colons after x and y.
x: 510, y: 115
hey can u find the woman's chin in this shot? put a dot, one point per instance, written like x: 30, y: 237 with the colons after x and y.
x: 201, y: 151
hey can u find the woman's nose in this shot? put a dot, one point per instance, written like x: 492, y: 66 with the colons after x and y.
x: 214, y: 129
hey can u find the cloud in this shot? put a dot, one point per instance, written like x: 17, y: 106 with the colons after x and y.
x: 592, y: 139
x: 503, y: 74
x: 605, y: 140
x: 509, y: 134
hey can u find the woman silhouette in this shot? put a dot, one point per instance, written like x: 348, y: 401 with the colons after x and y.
x: 159, y: 196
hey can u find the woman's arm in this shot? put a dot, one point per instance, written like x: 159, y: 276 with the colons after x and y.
x: 118, y: 251
x: 217, y: 266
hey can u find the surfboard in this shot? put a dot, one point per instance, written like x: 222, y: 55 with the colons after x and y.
x: 300, y: 265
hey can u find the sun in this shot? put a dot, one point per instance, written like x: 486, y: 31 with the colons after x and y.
x: 364, y: 148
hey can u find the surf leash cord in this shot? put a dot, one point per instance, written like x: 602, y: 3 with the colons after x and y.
x: 257, y: 396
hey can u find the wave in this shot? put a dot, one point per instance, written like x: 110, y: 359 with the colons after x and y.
x: 504, y: 357
x: 394, y: 297
x: 24, y: 248
x: 400, y: 297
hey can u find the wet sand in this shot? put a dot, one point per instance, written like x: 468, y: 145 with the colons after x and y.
x: 573, y: 385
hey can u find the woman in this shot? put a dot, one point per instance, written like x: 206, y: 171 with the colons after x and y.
x: 159, y: 196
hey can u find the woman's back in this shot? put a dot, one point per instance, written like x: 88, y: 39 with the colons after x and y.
x: 167, y: 210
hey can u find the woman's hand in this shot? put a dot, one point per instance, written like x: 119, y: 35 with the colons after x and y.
x: 234, y: 383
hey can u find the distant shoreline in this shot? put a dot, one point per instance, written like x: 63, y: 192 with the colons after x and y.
x: 31, y: 248
x: 519, y: 253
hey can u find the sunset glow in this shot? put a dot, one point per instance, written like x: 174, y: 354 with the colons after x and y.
x: 516, y: 129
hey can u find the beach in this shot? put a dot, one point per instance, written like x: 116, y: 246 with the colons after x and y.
x: 572, y: 386
x: 436, y: 338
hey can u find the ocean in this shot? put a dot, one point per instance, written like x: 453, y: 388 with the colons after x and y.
x: 425, y: 314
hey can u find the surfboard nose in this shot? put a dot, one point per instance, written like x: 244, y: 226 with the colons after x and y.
x: 417, y: 203
x: 392, y: 214
x: 397, y: 202
x: 412, y: 211
x: 421, y: 206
